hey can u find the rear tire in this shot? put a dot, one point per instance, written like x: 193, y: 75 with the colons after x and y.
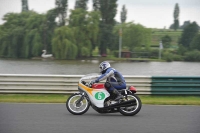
x: 77, y: 108
x: 131, y: 110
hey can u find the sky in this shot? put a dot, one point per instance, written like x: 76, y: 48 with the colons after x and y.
x: 149, y: 13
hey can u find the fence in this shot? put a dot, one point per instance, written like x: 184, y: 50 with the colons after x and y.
x: 67, y: 84
x: 175, y: 85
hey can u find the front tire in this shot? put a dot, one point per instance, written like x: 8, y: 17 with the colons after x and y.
x: 77, y: 108
x: 131, y: 110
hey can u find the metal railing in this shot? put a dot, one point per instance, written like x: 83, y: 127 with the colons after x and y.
x: 58, y: 84
x: 176, y: 85
x: 67, y: 84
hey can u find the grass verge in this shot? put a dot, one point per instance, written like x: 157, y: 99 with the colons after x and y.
x: 33, y: 98
x: 55, y: 98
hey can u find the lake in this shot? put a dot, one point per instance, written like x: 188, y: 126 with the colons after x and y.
x: 82, y: 67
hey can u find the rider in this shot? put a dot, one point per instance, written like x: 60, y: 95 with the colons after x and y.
x: 115, y: 81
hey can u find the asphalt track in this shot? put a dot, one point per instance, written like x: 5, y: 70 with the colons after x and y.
x: 54, y: 118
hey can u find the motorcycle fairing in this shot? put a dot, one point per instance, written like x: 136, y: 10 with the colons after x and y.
x: 97, y: 96
x: 98, y: 86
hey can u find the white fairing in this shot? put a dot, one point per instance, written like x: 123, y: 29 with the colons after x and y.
x: 96, y: 96
x: 99, y: 93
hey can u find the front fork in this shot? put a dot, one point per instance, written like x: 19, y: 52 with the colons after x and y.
x: 83, y: 94
x: 81, y: 98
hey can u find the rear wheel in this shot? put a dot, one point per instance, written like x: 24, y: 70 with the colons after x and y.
x: 131, y: 110
x: 75, y: 107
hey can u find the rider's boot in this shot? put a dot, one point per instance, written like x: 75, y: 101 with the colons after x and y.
x: 119, y: 96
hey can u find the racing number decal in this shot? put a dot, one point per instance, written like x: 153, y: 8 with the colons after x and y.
x: 99, y: 95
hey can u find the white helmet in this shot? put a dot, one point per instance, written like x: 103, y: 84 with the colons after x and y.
x: 103, y: 66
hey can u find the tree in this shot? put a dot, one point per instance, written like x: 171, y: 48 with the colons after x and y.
x: 49, y: 24
x: 24, y: 5
x: 37, y: 45
x: 23, y: 35
x: 176, y: 17
x: 186, y: 23
x: 81, y: 4
x: 123, y: 14
x: 86, y: 27
x: 12, y: 34
x: 188, y: 34
x: 75, y: 40
x: 195, y: 44
x: 34, y: 37
x: 62, y: 6
x: 166, y: 40
x: 171, y: 26
x: 108, y: 9
x: 134, y: 36
x: 63, y: 43
x: 26, y: 34
x: 96, y: 5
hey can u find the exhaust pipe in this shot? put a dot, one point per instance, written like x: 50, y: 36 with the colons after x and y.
x: 122, y: 104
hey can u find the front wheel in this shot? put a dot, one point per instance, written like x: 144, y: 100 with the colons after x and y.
x: 75, y: 106
x: 131, y: 110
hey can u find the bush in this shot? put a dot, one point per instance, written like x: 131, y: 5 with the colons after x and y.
x: 192, y: 56
x: 182, y: 50
x: 171, y: 55
x: 177, y: 57
x: 195, y: 44
x: 168, y: 56
x: 154, y: 53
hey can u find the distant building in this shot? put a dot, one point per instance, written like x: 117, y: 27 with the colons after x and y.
x: 126, y: 54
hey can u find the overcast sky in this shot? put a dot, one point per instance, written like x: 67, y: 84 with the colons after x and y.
x: 150, y: 13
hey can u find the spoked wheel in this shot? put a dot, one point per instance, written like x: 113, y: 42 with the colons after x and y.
x: 77, y: 104
x: 131, y: 110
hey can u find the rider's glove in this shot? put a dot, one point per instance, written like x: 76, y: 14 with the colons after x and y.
x: 92, y: 82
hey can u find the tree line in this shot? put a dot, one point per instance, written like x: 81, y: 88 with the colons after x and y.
x: 75, y: 34
x: 26, y: 34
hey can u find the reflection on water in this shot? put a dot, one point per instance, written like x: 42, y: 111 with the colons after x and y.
x: 82, y: 67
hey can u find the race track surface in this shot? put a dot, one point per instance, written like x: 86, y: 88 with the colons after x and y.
x: 54, y: 118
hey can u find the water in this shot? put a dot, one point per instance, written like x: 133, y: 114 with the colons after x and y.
x: 82, y: 67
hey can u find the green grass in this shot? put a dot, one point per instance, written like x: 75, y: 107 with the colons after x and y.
x: 33, y: 98
x: 51, y: 98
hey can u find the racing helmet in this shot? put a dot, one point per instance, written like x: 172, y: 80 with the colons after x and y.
x: 103, y: 66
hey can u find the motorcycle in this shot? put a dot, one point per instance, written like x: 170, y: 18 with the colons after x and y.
x: 97, y: 96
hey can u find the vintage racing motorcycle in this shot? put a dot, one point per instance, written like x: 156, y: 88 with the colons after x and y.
x: 97, y: 96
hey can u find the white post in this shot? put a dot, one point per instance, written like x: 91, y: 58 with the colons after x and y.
x: 120, y: 41
x: 160, y: 49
